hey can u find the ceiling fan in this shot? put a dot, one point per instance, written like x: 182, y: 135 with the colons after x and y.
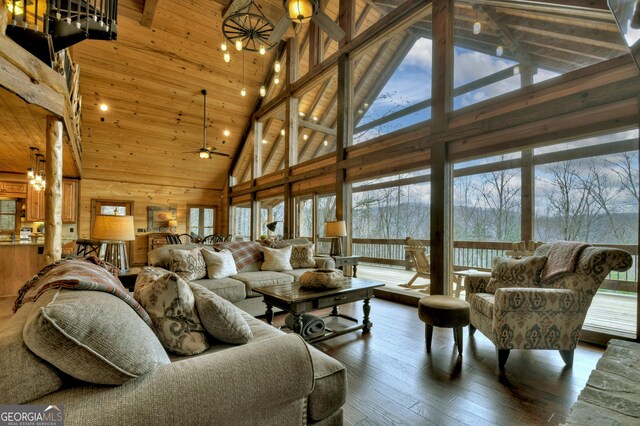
x: 206, y: 151
x: 301, y: 11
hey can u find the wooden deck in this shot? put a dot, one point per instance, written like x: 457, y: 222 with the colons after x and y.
x: 609, y: 313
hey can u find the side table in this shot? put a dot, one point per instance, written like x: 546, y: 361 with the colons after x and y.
x: 342, y: 261
x: 128, y: 279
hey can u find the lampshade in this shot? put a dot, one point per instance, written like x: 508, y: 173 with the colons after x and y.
x: 173, y: 223
x: 336, y: 228
x: 300, y: 10
x: 272, y: 226
x: 114, y: 228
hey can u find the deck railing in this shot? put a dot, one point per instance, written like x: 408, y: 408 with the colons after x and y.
x: 476, y: 255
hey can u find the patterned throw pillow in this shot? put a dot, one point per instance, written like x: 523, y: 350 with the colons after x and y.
x: 277, y: 259
x: 188, y: 264
x: 302, y: 256
x: 170, y: 303
x: 220, y: 317
x: 220, y: 264
x: 523, y: 272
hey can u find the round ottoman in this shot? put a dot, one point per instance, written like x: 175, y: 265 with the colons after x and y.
x: 444, y: 311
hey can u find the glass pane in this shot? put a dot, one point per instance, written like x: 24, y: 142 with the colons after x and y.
x: 113, y: 210
x: 501, y: 47
x: 242, y: 170
x: 272, y: 210
x: 326, y: 213
x: 273, y: 141
x: 7, y: 222
x: 304, y: 217
x: 194, y: 217
x: 592, y: 196
x: 209, y: 218
x: 393, y: 82
x: 317, y: 119
x: 242, y: 221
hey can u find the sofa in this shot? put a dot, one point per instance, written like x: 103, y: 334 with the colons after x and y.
x: 79, y: 339
x: 544, y: 314
x: 238, y: 288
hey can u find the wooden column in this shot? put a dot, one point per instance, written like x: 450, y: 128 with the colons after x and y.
x: 257, y: 149
x: 441, y: 174
x: 346, y: 18
x: 527, y: 202
x: 343, y: 139
x: 3, y: 17
x: 53, y: 191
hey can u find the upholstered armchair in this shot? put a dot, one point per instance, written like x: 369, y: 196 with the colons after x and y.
x: 548, y: 315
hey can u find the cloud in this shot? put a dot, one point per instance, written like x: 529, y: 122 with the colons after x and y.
x: 420, y: 55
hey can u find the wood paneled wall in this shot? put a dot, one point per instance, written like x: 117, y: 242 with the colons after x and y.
x: 143, y: 196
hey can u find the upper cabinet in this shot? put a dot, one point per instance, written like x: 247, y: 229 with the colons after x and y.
x: 13, y: 189
x: 35, y: 203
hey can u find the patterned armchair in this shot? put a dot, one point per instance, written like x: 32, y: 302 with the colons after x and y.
x: 549, y: 316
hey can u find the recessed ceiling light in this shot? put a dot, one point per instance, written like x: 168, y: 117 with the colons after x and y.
x: 226, y: 132
x: 282, y: 132
x: 301, y: 114
x: 305, y: 137
x: 104, y: 107
x: 325, y: 142
x: 264, y: 141
x: 315, y: 118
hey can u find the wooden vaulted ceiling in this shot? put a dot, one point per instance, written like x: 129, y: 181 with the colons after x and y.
x: 168, y: 50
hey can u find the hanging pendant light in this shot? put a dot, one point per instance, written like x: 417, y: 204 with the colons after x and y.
x: 263, y: 91
x: 262, y: 50
x: 223, y: 46
x: 477, y: 26
x: 238, y: 45
x: 227, y: 57
x: 276, y: 79
x: 300, y: 11
x: 276, y: 66
x: 31, y: 173
x: 516, y: 70
x: 499, y: 50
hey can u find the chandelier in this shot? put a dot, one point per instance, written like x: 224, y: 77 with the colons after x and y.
x: 248, y: 29
x: 35, y: 172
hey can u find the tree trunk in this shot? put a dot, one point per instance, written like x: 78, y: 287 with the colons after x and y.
x: 53, y: 191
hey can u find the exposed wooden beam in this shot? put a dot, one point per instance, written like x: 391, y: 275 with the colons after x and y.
x: 317, y: 127
x: 149, y: 12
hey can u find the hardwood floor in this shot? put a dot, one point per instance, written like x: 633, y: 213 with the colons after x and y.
x: 393, y: 381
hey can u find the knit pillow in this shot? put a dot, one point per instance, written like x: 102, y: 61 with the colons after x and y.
x: 188, y: 264
x: 277, y: 259
x: 523, y: 272
x: 302, y: 256
x: 220, y: 264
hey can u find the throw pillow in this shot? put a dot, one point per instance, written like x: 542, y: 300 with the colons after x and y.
x: 220, y: 317
x: 523, y: 272
x: 171, y: 306
x: 92, y: 336
x: 302, y: 256
x: 220, y: 264
x: 188, y: 264
x: 277, y: 259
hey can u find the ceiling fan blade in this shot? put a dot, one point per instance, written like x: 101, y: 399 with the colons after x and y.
x: 221, y: 154
x: 328, y: 26
x: 281, y: 27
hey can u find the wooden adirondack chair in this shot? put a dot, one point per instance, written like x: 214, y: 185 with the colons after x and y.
x: 417, y: 253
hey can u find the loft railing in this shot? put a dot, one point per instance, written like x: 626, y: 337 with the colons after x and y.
x: 46, y: 27
x: 474, y: 255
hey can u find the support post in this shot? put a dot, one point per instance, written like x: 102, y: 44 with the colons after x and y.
x: 53, y: 191
x: 441, y: 170
x: 3, y: 17
x: 257, y: 149
x: 343, y: 139
x: 526, y: 195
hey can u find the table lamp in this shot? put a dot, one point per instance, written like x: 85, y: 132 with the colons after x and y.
x: 336, y: 230
x: 173, y: 224
x: 114, y: 231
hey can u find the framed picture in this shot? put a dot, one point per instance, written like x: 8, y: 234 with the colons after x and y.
x: 159, y: 217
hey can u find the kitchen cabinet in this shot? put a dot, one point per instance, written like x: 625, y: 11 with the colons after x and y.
x: 13, y: 189
x: 35, y: 203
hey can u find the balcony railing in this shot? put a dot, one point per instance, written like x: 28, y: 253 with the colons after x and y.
x: 476, y: 255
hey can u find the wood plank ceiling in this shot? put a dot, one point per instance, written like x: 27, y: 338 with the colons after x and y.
x: 151, y: 80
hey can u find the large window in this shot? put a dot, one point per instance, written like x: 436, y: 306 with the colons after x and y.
x: 304, y: 217
x: 326, y: 213
x: 272, y: 210
x: 393, y: 82
x: 7, y: 215
x: 201, y: 221
x: 498, y: 51
x: 242, y: 222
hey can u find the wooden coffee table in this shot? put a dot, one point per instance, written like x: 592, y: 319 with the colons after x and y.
x: 297, y: 301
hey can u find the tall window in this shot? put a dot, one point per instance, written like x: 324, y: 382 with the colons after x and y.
x: 304, y: 217
x: 7, y: 215
x: 242, y: 222
x: 272, y: 210
x: 201, y: 221
x: 326, y: 213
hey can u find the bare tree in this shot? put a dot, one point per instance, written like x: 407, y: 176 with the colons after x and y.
x: 500, y: 195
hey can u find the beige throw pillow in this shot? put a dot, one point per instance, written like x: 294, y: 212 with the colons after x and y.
x: 188, y: 264
x: 169, y: 302
x: 220, y: 317
x: 220, y: 264
x: 523, y: 272
x: 92, y: 336
x: 277, y: 259
x: 302, y: 256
